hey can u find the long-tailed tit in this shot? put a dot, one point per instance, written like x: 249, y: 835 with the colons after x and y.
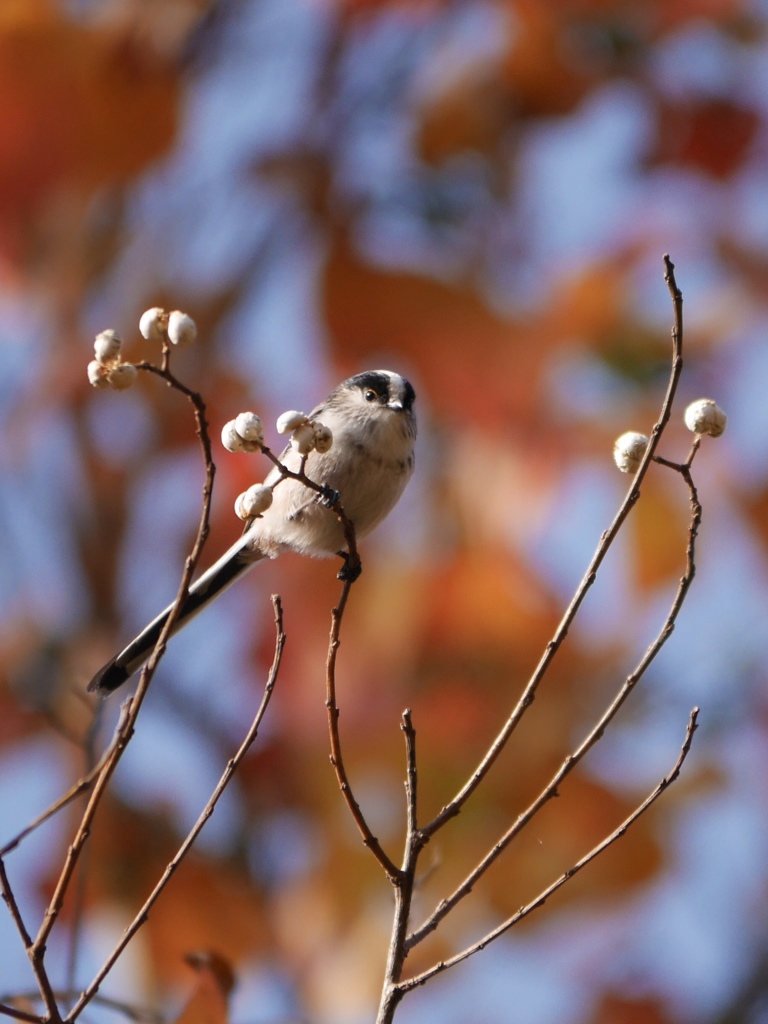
x: 373, y: 424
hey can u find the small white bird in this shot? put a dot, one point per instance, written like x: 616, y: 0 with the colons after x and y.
x: 372, y: 420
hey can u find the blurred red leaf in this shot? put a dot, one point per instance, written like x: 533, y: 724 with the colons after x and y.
x: 615, y: 1009
x: 711, y: 135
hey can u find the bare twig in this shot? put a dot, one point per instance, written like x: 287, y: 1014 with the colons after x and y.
x: 11, y: 1011
x: 78, y: 902
x: 394, y: 988
x: 38, y: 967
x: 337, y: 759
x: 454, y: 807
x: 140, y: 1014
x: 595, y: 734
x: 76, y: 790
x: 226, y: 777
x: 13, y: 907
x: 411, y: 780
x: 665, y: 783
x: 592, y: 737
x: 80, y: 787
x: 36, y: 950
x: 403, y: 884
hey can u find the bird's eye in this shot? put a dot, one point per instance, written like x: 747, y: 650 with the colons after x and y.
x: 370, y: 395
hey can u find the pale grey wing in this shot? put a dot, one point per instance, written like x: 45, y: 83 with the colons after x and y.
x: 240, y: 557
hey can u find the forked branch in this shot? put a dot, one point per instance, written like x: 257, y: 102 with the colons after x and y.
x: 394, y: 987
x: 666, y: 782
x: 454, y: 807
x: 595, y: 733
x: 232, y: 765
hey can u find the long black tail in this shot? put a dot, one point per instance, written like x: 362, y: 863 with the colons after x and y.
x: 212, y: 583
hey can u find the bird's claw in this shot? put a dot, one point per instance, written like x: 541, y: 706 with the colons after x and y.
x: 328, y: 496
x: 350, y: 570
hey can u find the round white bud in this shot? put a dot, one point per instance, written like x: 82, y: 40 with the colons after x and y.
x: 249, y: 427
x: 122, y: 376
x: 182, y: 329
x: 239, y: 508
x: 303, y: 439
x: 323, y: 437
x: 106, y: 347
x: 230, y: 438
x: 289, y: 421
x: 705, y: 416
x: 256, y: 500
x: 628, y: 451
x: 97, y: 374
x: 152, y: 324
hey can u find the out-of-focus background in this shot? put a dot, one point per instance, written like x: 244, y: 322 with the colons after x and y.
x: 478, y: 194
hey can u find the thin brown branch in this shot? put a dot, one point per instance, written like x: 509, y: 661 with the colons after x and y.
x: 13, y: 906
x: 36, y: 951
x: 77, y: 915
x: 226, y: 777
x: 667, y: 781
x: 336, y: 756
x: 681, y: 467
x: 11, y: 1011
x: 76, y: 790
x: 454, y: 807
x: 38, y: 967
x: 411, y: 780
x: 592, y: 737
x: 403, y: 885
x: 136, y: 1013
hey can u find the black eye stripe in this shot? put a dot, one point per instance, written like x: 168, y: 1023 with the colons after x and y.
x: 386, y: 387
x: 372, y: 381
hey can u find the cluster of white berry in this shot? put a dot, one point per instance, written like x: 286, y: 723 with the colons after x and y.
x: 156, y: 324
x: 704, y: 416
x: 107, y: 369
x: 306, y: 435
x: 245, y: 433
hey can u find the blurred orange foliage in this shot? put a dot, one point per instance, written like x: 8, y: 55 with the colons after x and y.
x: 457, y: 603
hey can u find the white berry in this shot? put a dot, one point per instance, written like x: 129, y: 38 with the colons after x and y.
x: 249, y: 427
x: 628, y: 451
x: 323, y: 437
x: 230, y: 438
x: 151, y: 324
x: 182, y: 329
x: 289, y: 421
x: 705, y: 416
x: 303, y: 439
x: 106, y: 347
x: 97, y: 374
x: 122, y: 376
x: 256, y: 500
